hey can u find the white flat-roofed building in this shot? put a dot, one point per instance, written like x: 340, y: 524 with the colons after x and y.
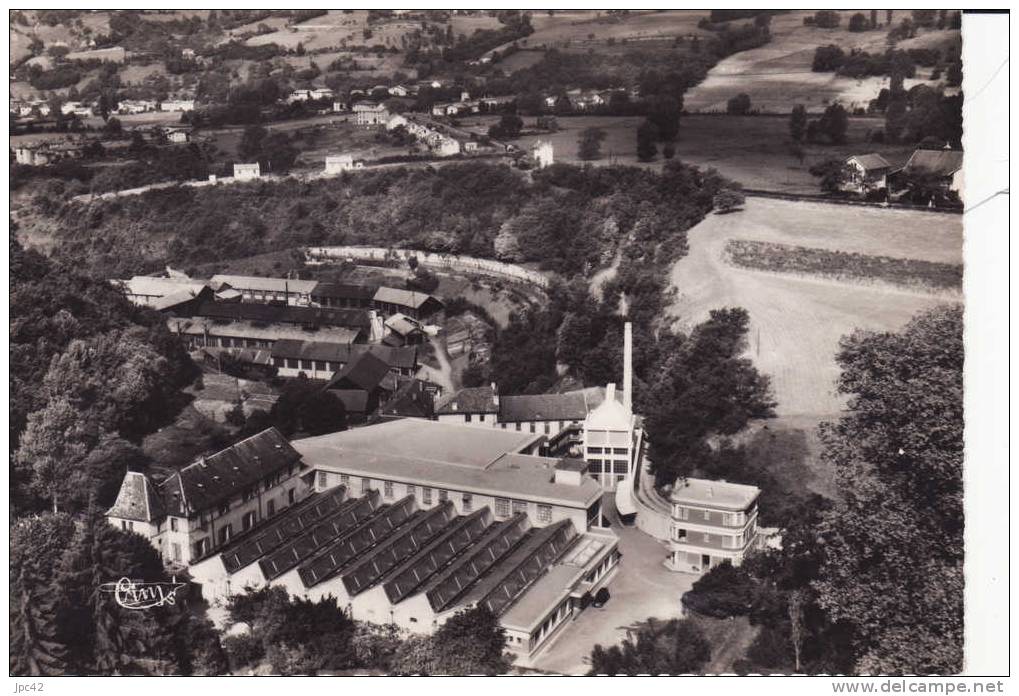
x: 712, y: 522
x: 469, y: 466
x: 341, y: 163
x: 246, y: 172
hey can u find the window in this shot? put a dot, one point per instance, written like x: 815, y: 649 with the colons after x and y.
x: 201, y: 546
x: 345, y: 480
x: 173, y: 524
x: 620, y: 467
x: 225, y: 533
x: 594, y: 466
x: 502, y: 425
x: 544, y: 513
x: 366, y: 484
x: 323, y: 479
x: 443, y: 495
x: 682, y: 513
x: 680, y: 535
x: 426, y: 495
x: 248, y: 521
x: 411, y: 489
x: 518, y: 426
x: 707, y: 515
x: 468, y: 502
x: 467, y: 418
x: 594, y: 450
x: 548, y: 427
x: 290, y: 496
x: 707, y: 538
x: 502, y: 507
x: 532, y: 427
x: 175, y: 549
x: 620, y: 450
x: 387, y: 489
x: 519, y: 506
x: 270, y: 508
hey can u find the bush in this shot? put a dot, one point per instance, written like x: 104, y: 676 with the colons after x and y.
x: 738, y: 105
x: 827, y: 19
x: 858, y: 22
x: 722, y: 592
x: 243, y: 650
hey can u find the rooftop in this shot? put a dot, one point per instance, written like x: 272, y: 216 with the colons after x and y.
x: 344, y: 291
x: 283, y: 314
x: 160, y: 287
x: 365, y: 372
x: 137, y: 500
x: 718, y: 494
x: 402, y: 357
x: 469, y: 400
x: 536, y: 407
x: 256, y: 330
x: 407, y: 298
x: 263, y: 284
x: 444, y: 455
x: 216, y: 478
x: 943, y: 162
x: 872, y: 161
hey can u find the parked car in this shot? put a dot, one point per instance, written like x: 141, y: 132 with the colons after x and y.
x: 600, y: 598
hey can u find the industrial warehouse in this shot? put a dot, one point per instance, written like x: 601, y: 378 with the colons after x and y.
x: 403, y: 522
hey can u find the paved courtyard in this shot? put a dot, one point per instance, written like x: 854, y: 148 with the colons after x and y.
x: 642, y: 588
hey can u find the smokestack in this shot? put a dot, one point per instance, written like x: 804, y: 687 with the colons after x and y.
x: 628, y: 367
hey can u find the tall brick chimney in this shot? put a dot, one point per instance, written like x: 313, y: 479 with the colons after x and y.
x: 628, y: 367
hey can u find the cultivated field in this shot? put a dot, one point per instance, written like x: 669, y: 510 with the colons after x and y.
x: 796, y: 322
x: 583, y: 29
x: 753, y: 150
x: 778, y: 75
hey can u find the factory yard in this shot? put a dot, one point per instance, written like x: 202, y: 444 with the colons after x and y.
x: 642, y: 588
x: 796, y: 321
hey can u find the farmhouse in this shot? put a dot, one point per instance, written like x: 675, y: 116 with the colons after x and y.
x: 342, y: 163
x: 136, y: 106
x: 866, y: 173
x: 944, y: 165
x: 177, y: 105
x: 246, y: 172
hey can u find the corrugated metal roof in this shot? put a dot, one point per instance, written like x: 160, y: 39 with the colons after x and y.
x: 260, y: 284
x: 406, y: 298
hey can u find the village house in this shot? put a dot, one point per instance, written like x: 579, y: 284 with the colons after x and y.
x: 712, y: 522
x: 247, y: 172
x: 401, y: 330
x: 865, y: 173
x: 177, y: 105
x: 370, y: 114
x: 945, y: 166
x: 76, y: 108
x: 341, y: 106
x: 342, y: 163
x: 177, y: 135
x: 136, y: 106
x: 400, y: 91
x: 416, y: 305
x: 363, y: 384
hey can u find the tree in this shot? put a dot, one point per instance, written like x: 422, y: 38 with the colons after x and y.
x: 728, y: 200
x: 858, y: 22
x: 832, y: 173
x: 36, y: 543
x: 305, y: 407
x: 470, y: 642
x: 798, y: 123
x: 834, y: 123
x: 508, y: 127
x: 664, y: 112
x: 661, y: 648
x: 828, y: 58
x: 827, y: 19
x: 722, y: 592
x: 738, y: 105
x: 589, y: 143
x: 113, y: 127
x: 702, y: 386
x: 278, y: 153
x: 250, y: 147
x: 647, y: 136
x: 668, y: 150
x: 893, y: 542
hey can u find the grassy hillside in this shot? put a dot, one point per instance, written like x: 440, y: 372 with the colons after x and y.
x: 778, y: 75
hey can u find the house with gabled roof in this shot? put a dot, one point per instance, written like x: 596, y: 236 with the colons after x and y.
x: 865, y: 173
x: 204, y: 505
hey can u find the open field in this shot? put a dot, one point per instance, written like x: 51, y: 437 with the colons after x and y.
x: 753, y: 150
x: 796, y: 322
x: 585, y: 29
x: 778, y: 75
